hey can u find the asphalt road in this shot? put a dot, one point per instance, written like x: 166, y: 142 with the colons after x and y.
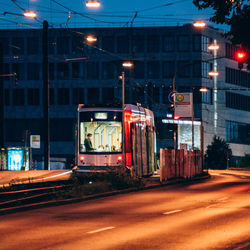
x: 213, y: 214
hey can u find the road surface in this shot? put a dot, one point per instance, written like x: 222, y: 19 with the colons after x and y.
x: 213, y: 214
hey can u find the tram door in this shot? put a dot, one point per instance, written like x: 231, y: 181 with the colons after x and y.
x: 135, y: 149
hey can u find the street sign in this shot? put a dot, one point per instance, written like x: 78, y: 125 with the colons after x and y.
x: 184, y: 104
x: 171, y: 96
x: 35, y: 141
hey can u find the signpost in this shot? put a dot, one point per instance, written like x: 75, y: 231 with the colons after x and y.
x: 35, y: 142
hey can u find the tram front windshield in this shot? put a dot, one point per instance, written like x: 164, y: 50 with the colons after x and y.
x: 100, y: 132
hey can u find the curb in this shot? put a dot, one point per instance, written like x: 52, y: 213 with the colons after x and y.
x: 96, y: 196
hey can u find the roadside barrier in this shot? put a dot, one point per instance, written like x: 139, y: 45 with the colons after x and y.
x: 179, y: 163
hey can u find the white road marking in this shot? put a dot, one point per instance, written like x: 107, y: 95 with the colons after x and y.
x: 172, y: 212
x: 100, y: 230
x: 222, y: 199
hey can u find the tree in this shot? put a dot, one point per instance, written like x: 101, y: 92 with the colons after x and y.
x: 235, y: 13
x: 217, y: 154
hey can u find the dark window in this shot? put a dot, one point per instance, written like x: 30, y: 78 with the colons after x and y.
x: 139, y: 70
x: 62, y: 129
x: 197, y: 69
x: 92, y: 70
x: 62, y: 45
x: 205, y: 41
x: 62, y: 71
x: 122, y: 44
x: 236, y: 101
x: 184, y: 69
x: 108, y: 95
x: 78, y: 96
x: 138, y: 44
x: 205, y: 67
x: 168, y: 69
x: 34, y: 71
x: 76, y: 70
x: 156, y: 94
x: 7, y: 97
x: 206, y: 97
x: 33, y: 45
x: 51, y: 71
x: 153, y: 71
x: 17, y: 46
x: 153, y: 44
x: 77, y: 45
x: 230, y: 51
x: 7, y: 71
x: 237, y: 77
x: 165, y: 93
x: 17, y: 133
x: 183, y: 43
x: 237, y: 132
x: 196, y: 42
x: 33, y: 96
x: 6, y: 45
x: 168, y: 43
x: 108, y: 43
x: 93, y: 95
x: 52, y: 96
x: 108, y: 70
x: 18, y: 68
x: 63, y: 96
x: 138, y: 95
x: 18, y: 97
x: 51, y: 45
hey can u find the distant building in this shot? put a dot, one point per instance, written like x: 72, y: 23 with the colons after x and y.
x: 85, y: 74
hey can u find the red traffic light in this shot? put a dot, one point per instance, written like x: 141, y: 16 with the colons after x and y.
x: 241, y: 55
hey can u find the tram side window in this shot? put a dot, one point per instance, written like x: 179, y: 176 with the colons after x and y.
x: 100, y: 136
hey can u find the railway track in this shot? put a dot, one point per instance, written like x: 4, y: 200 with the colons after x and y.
x: 13, y: 200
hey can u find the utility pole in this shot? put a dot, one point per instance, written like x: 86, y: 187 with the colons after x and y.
x: 46, y: 121
x: 2, y: 118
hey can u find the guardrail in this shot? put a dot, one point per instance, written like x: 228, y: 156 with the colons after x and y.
x: 179, y: 163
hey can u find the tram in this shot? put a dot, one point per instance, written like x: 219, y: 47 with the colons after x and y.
x: 99, y: 139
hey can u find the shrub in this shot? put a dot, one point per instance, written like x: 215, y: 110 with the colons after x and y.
x: 217, y: 154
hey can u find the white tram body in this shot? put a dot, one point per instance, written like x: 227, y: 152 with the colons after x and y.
x: 103, y: 127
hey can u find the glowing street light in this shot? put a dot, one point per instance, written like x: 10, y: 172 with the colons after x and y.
x: 213, y: 47
x: 127, y: 64
x: 203, y: 90
x: 30, y: 14
x: 91, y: 39
x: 213, y: 73
x: 199, y: 24
x: 93, y: 4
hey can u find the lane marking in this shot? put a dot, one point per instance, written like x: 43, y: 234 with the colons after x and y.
x: 100, y: 230
x: 172, y: 212
x: 222, y: 199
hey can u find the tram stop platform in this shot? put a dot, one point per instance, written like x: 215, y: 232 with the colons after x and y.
x: 21, y: 177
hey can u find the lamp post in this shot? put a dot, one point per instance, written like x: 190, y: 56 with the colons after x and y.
x: 214, y: 47
x: 127, y: 65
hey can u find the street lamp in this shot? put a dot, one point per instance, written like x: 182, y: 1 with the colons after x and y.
x: 199, y: 24
x: 30, y: 14
x: 93, y: 4
x: 126, y: 65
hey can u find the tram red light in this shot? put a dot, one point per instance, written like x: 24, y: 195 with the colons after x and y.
x: 82, y: 158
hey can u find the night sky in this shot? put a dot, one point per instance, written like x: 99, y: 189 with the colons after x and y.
x: 112, y: 13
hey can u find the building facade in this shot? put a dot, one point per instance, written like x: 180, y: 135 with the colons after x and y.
x: 89, y: 74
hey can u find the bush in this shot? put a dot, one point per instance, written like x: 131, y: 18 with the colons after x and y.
x: 112, y: 179
x: 217, y: 154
